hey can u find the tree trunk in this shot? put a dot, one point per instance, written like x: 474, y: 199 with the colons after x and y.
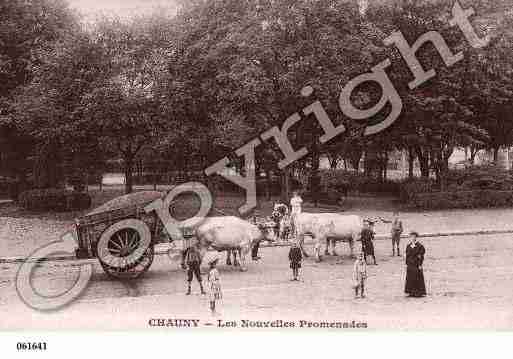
x: 46, y: 166
x: 435, y: 161
x: 22, y: 184
x: 385, y: 166
x: 268, y: 185
x: 355, y: 159
x: 285, y: 188
x: 314, y: 175
x: 156, y: 173
x: 366, y: 167
x: 496, y: 155
x: 373, y: 166
x: 443, y: 170
x: 473, y: 153
x: 423, y: 162
x: 411, y: 162
x: 129, y: 169
x: 333, y: 163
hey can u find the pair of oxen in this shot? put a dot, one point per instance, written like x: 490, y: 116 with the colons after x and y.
x: 235, y: 235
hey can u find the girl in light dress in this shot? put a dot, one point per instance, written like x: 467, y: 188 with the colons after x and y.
x: 359, y: 275
x: 214, y: 285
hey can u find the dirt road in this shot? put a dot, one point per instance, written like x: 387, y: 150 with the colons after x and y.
x: 469, y: 280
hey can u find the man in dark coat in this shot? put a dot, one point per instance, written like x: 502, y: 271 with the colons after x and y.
x: 367, y: 237
x: 415, y: 285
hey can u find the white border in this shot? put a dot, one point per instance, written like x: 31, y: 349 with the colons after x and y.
x: 262, y: 344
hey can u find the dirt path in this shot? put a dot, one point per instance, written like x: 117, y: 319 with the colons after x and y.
x: 469, y: 280
x: 22, y: 236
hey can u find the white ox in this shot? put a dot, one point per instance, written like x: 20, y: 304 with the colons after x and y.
x: 329, y: 227
x: 229, y: 234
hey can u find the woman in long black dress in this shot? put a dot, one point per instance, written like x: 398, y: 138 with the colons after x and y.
x: 415, y: 285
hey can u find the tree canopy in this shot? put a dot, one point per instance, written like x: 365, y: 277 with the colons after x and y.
x: 191, y: 88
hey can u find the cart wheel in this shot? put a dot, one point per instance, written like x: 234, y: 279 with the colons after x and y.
x: 121, y: 245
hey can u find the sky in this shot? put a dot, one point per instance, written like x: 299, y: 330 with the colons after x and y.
x: 118, y: 7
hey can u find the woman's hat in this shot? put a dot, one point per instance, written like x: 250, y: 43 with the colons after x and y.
x: 413, y: 233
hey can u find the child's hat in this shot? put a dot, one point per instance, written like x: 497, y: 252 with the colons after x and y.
x: 214, y: 258
x: 214, y: 261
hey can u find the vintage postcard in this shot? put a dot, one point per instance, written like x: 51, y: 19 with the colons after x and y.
x: 326, y: 165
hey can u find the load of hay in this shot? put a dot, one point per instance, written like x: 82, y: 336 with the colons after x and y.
x: 139, y: 199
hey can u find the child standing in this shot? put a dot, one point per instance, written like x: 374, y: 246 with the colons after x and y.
x: 191, y: 260
x: 367, y: 238
x: 214, y: 285
x: 295, y: 258
x: 359, y: 275
x: 295, y: 205
x: 397, y: 230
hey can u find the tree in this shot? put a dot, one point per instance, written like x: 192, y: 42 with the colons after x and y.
x: 49, y: 109
x: 28, y: 30
x: 246, y: 62
x: 124, y: 111
x: 443, y: 113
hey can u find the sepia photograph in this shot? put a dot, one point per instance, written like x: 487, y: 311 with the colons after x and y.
x: 322, y: 165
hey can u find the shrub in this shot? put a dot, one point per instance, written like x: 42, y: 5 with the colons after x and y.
x: 275, y: 186
x: 473, y: 187
x: 77, y: 182
x: 463, y: 199
x: 481, y: 178
x: 337, y: 179
x: 54, y: 200
x: 344, y: 181
x: 372, y: 185
x: 5, y: 186
x: 412, y: 187
x: 331, y: 197
x: 223, y: 185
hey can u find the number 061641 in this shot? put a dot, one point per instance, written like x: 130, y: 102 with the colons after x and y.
x: 28, y: 346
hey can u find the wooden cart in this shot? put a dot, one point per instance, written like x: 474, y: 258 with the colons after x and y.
x: 121, y: 242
